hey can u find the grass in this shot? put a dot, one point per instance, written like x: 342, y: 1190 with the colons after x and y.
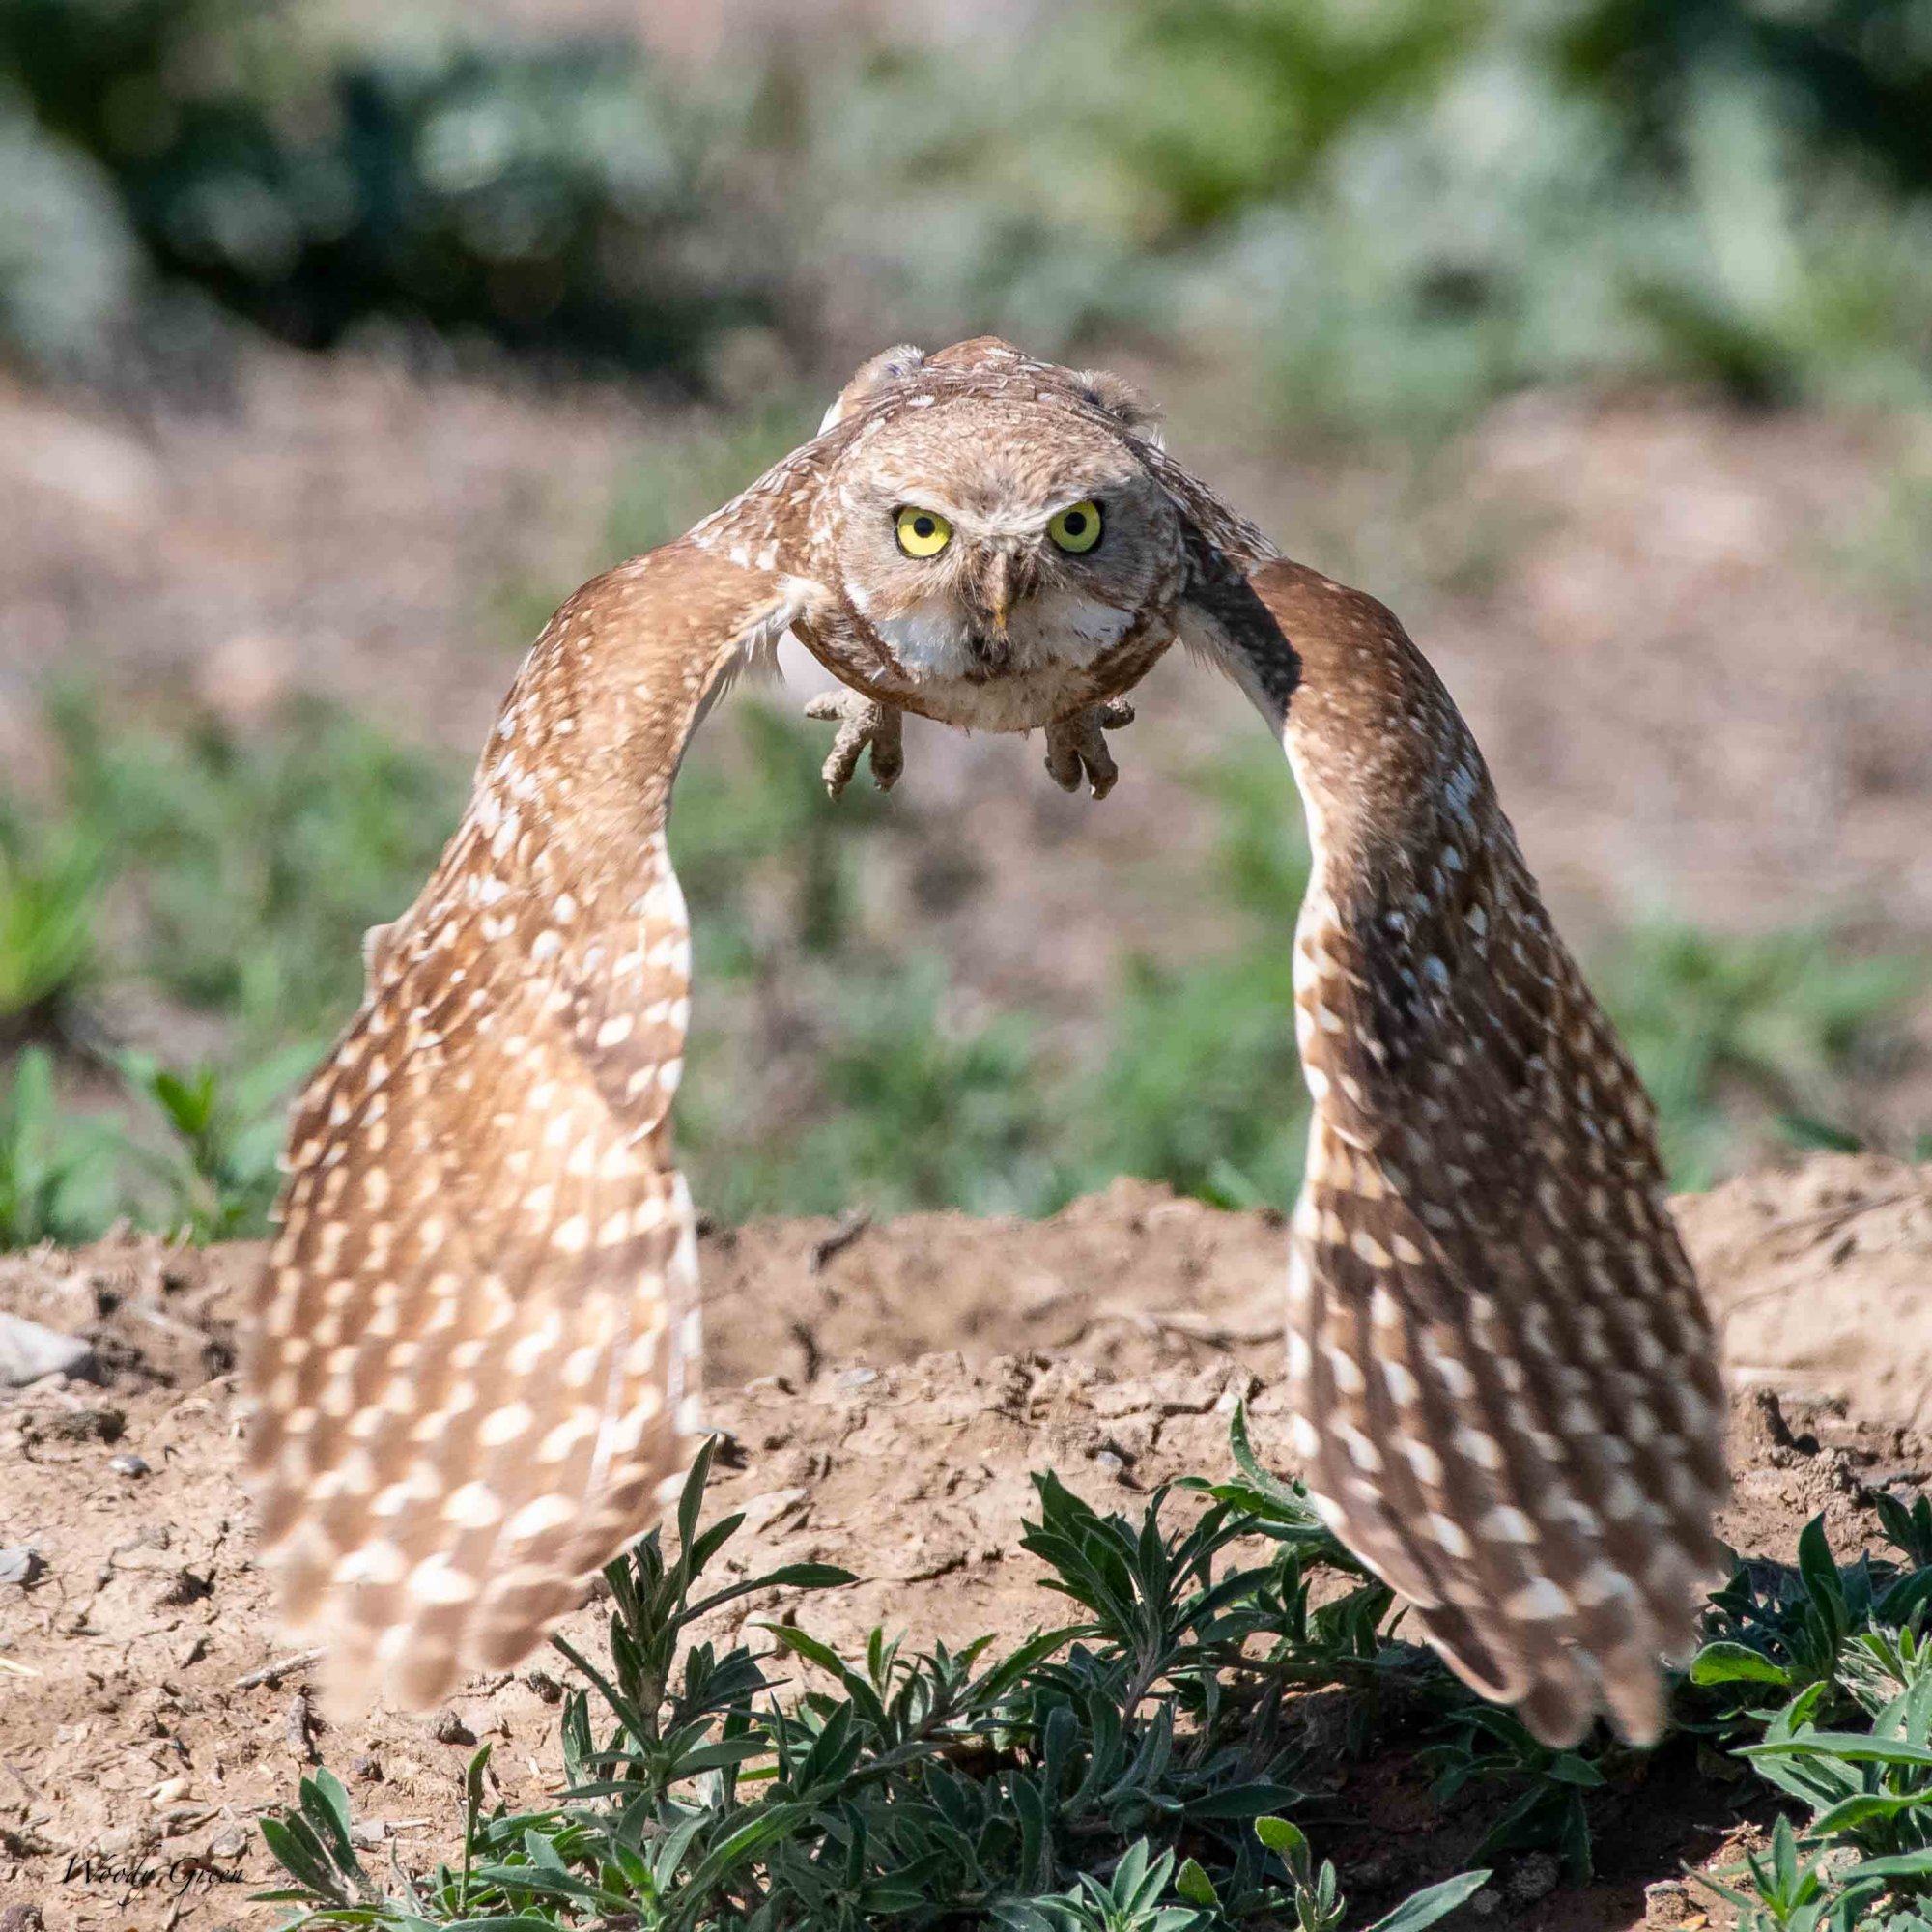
x: 1770, y: 1029
x: 1112, y: 1772
x: 246, y: 869
x: 50, y: 884
x: 60, y: 1176
x: 189, y: 886
x: 886, y: 1091
x: 180, y: 938
x: 1138, y: 1767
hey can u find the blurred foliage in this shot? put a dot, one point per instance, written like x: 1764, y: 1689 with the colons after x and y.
x: 833, y: 1069
x: 59, y: 1176
x: 553, y: 198
x: 690, y: 473
x: 197, y: 886
x: 1384, y: 211
x: 211, y: 892
x: 218, y: 1170
x: 1770, y: 1024
x: 1432, y: 202
x: 835, y: 1065
x: 50, y: 879
x: 1256, y: 98
x: 1888, y: 555
x: 1201, y: 1083
x: 249, y: 866
x: 1855, y: 75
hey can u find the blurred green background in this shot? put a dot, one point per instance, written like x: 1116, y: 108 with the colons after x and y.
x: 337, y: 343
x: 1397, y: 207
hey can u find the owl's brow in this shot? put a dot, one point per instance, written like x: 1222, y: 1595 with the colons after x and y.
x: 1028, y: 521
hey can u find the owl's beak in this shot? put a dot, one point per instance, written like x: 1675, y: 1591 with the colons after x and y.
x: 1005, y: 579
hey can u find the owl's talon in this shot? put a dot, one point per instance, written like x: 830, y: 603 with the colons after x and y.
x: 1076, y: 746
x: 861, y: 721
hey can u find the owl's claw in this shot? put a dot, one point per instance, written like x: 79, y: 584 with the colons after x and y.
x: 861, y: 721
x: 1076, y: 746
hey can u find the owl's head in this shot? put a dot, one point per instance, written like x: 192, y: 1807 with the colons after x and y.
x: 996, y: 518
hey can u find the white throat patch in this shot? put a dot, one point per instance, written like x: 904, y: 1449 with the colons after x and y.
x: 1053, y: 630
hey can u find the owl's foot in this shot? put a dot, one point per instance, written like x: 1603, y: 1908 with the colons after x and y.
x: 1076, y: 746
x: 861, y: 721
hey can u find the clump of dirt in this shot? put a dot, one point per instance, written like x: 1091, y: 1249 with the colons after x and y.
x: 885, y: 1391
x: 1131, y: 1280
x: 1819, y: 1279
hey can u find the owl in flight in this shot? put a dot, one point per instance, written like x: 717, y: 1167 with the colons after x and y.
x: 477, y: 1343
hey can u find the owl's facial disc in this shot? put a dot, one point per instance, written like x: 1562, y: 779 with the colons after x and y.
x: 996, y: 552
x: 976, y: 596
x: 959, y: 587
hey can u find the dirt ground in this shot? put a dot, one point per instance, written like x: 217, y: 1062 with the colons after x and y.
x: 887, y: 1389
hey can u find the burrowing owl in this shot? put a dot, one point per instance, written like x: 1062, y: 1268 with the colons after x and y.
x: 478, y: 1339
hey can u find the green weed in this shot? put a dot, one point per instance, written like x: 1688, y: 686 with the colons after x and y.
x: 1729, y: 1033
x: 51, y: 880
x: 924, y: 1109
x: 1136, y: 1768
x: 1125, y: 1772
x: 232, y: 878
x: 251, y: 867
x: 59, y: 1176
x: 833, y: 1061
x: 221, y: 1138
x: 752, y: 824
x: 897, y: 1104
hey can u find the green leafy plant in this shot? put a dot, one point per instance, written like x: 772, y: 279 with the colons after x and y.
x: 252, y: 865
x: 1128, y: 1902
x: 1785, y: 1893
x: 1044, y: 1787
x: 1723, y: 1028
x: 1135, y: 1769
x: 1549, y: 1808
x: 313, y: 1844
x: 1849, y: 1641
x: 224, y: 1136
x: 51, y: 882
x: 58, y: 1176
x: 1319, y: 1906
x: 1776, y: 1630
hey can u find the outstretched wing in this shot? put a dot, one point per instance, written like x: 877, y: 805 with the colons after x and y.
x: 476, y: 1340
x: 1506, y: 1384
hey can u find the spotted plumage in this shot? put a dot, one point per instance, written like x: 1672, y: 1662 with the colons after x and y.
x: 476, y: 1348
x: 1508, y: 1395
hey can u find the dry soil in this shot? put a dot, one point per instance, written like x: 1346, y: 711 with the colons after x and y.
x: 887, y: 1390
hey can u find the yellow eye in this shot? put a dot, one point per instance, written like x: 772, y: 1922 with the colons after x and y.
x: 922, y: 533
x: 1077, y: 528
